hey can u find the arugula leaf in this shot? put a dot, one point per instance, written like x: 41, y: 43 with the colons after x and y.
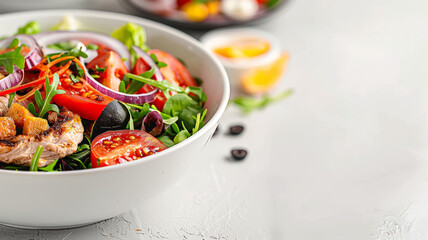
x: 32, y: 27
x: 14, y: 43
x: 62, y: 46
x: 155, y: 59
x: 249, y: 104
x: 198, y: 92
x: 11, y: 97
x: 162, y: 85
x: 35, y: 160
x: 74, y: 79
x: 92, y: 46
x: 45, y: 105
x: 137, y: 85
x: 100, y: 70
x: 50, y: 167
x: 11, y: 58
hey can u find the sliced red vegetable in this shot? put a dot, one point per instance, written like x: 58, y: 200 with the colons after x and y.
x: 113, y: 68
x: 81, y: 98
x: 175, y: 72
x: 107, y: 41
x: 145, y: 60
x: 11, y: 80
x: 116, y: 147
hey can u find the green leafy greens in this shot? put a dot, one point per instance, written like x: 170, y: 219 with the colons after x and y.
x: 131, y: 34
x: 249, y: 104
x: 11, y: 58
x: 35, y: 160
x: 44, y: 105
x: 32, y: 27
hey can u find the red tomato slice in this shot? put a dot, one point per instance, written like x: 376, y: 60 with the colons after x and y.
x: 116, y: 147
x: 115, y: 68
x: 140, y: 67
x: 81, y: 98
x: 175, y: 72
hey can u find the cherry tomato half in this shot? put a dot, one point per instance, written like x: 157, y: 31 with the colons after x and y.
x: 175, y: 72
x: 81, y: 98
x: 114, y: 71
x: 116, y: 147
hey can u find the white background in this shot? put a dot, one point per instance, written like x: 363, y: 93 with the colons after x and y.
x: 344, y: 158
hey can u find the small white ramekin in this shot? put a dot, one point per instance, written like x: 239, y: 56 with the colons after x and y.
x: 236, y: 68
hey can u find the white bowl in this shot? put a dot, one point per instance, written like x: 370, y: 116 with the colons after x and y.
x: 68, y: 199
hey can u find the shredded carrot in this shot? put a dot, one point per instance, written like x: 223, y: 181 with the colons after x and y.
x: 56, y: 56
x: 63, y: 69
x: 49, y: 65
x: 79, y: 63
x: 29, y: 94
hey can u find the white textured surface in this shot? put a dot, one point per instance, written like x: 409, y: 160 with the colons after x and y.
x: 344, y: 158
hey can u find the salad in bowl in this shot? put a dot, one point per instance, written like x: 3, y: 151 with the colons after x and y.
x: 99, y: 112
x: 80, y: 99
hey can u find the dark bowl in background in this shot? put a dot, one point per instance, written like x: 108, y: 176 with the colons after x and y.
x: 204, y: 26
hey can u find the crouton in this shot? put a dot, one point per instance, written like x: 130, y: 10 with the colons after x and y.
x: 34, y: 126
x: 18, y: 113
x: 7, y: 128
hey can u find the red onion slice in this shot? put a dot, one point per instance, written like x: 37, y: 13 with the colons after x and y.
x: 12, y: 79
x: 124, y: 97
x: 52, y: 37
x: 34, y: 57
x: 142, y: 54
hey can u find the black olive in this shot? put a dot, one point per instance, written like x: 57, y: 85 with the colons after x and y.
x: 115, y: 116
x: 239, y: 154
x: 236, y: 129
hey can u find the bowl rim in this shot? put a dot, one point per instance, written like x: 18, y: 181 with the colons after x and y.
x: 145, y: 22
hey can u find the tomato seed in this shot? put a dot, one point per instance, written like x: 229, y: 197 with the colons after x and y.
x: 116, y: 139
x: 127, y: 141
x: 114, y: 145
x: 132, y: 137
x: 236, y: 129
x: 239, y: 154
x: 107, y: 142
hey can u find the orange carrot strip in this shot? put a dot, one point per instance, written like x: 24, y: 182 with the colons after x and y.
x: 29, y: 94
x: 79, y: 63
x: 49, y: 65
x: 56, y: 56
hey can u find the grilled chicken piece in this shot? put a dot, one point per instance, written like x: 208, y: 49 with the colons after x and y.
x: 60, y: 140
x: 4, y: 102
x: 7, y: 128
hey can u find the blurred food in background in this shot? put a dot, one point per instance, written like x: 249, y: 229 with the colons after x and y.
x: 254, y: 59
x: 206, y: 13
